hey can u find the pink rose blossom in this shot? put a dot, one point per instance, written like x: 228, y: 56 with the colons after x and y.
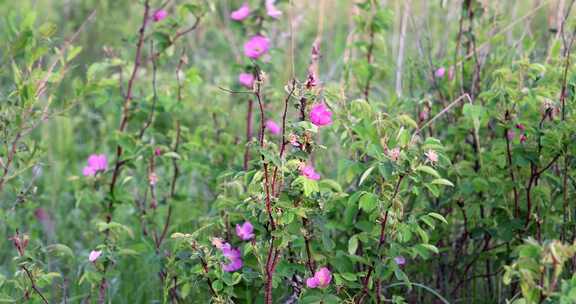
x: 96, y: 163
x: 158, y: 151
x: 234, y: 257
x: 309, y: 172
x: 94, y: 255
x: 246, y: 80
x: 321, y: 278
x: 160, y: 15
x: 218, y: 242
x: 271, y: 10
x: 440, y: 72
x: 256, y: 47
x: 320, y: 115
x: 245, y: 231
x: 273, y: 127
x: 241, y: 13
x: 431, y: 156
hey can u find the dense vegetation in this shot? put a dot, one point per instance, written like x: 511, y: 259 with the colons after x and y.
x: 288, y: 151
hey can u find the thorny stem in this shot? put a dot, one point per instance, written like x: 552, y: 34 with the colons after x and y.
x: 248, y: 133
x: 283, y: 145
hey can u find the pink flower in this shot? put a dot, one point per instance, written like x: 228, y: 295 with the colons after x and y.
x: 440, y: 72
x: 158, y: 151
x: 160, y: 15
x: 394, y: 154
x: 321, y: 278
x: 234, y: 257
x: 246, y: 80
x: 245, y: 231
x: 311, y: 81
x: 241, y: 13
x: 94, y: 255
x: 431, y: 156
x: 96, y: 163
x: 309, y: 172
x: 523, y: 138
x: 320, y: 115
x: 271, y: 10
x: 233, y: 265
x: 400, y: 260
x: 256, y: 47
x: 273, y: 127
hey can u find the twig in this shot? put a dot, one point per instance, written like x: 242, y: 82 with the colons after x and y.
x: 33, y: 284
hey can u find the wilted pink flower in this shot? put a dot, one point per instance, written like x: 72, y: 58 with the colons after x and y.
x: 246, y: 80
x: 321, y: 278
x: 440, y: 72
x: 218, y: 242
x: 256, y: 47
x: 96, y: 163
x: 510, y: 134
x: 394, y: 154
x: 523, y: 138
x: 94, y: 255
x: 400, y: 260
x: 423, y: 115
x: 241, y: 13
x: 311, y: 81
x: 271, y: 10
x: 160, y: 15
x: 245, y: 231
x: 153, y: 178
x: 320, y: 115
x: 431, y: 156
x: 273, y: 127
x: 521, y: 127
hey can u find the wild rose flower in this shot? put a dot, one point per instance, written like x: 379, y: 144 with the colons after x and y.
x: 246, y: 80
x: 234, y: 257
x: 241, y: 13
x: 271, y: 10
x: 400, y: 260
x: 309, y: 172
x: 158, y: 151
x: 245, y: 231
x: 321, y: 278
x: 160, y: 15
x: 394, y: 154
x: 96, y: 163
x: 94, y: 255
x: 256, y: 47
x: 273, y: 127
x: 431, y: 156
x: 320, y: 115
x: 440, y: 72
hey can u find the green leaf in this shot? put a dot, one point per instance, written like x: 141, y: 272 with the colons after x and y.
x: 353, y: 244
x: 428, y: 170
x: 442, y: 181
x: 368, y: 202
